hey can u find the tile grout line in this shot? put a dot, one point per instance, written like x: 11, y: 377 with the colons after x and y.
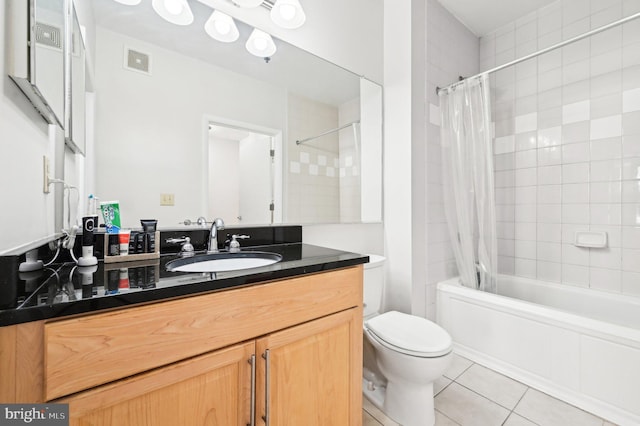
x: 449, y: 418
x: 513, y: 411
x: 491, y: 400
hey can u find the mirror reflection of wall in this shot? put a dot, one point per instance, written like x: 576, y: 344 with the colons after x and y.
x: 149, y: 122
x: 49, y: 53
x: 323, y: 171
x: 75, y: 131
x: 241, y: 176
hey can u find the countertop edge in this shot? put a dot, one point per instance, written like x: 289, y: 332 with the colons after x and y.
x: 94, y: 305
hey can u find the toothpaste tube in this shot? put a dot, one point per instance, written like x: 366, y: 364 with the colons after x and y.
x: 111, y: 215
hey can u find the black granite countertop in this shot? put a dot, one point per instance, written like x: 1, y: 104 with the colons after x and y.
x: 66, y: 289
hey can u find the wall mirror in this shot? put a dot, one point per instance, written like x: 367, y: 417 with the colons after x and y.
x: 75, y: 110
x: 162, y: 91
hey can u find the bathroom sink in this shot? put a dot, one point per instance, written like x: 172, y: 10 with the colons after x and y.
x: 224, y: 261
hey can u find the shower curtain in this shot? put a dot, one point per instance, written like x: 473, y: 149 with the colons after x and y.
x: 467, y: 158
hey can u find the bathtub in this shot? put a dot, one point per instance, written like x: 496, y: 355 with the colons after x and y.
x: 579, y: 345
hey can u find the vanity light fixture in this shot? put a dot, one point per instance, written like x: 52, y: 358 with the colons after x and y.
x: 260, y: 44
x: 129, y: 2
x: 247, y: 3
x: 221, y: 27
x: 175, y: 11
x: 288, y: 14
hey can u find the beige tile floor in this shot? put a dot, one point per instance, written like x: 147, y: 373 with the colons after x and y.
x: 469, y: 394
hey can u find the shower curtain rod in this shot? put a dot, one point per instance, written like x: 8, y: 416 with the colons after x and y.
x: 545, y: 50
x: 298, y: 142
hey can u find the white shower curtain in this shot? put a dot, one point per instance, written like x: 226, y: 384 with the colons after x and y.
x: 467, y: 158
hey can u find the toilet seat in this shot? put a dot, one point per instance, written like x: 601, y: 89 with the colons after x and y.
x: 409, y: 334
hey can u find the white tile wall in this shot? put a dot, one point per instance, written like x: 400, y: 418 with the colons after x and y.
x: 444, y: 65
x: 567, y: 151
x: 312, y: 184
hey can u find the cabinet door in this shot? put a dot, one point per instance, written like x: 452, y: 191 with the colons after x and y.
x: 312, y: 373
x: 212, y: 389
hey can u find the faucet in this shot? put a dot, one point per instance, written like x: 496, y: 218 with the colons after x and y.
x: 217, y: 224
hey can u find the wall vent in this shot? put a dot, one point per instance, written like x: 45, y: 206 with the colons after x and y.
x: 137, y: 61
x: 48, y: 35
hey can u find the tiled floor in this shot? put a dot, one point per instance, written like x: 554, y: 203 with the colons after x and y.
x: 469, y: 394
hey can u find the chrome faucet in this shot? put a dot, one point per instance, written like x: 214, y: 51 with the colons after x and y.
x: 218, y: 224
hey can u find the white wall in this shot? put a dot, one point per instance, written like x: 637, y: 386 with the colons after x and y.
x: 398, y: 232
x: 141, y: 118
x: 350, y: 162
x: 419, y: 56
x: 443, y: 66
x: 224, y: 181
x: 27, y: 213
x: 371, y: 144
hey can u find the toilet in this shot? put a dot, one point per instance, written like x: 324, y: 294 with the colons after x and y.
x: 410, y: 353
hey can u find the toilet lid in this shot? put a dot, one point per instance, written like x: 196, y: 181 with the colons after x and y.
x: 410, y: 334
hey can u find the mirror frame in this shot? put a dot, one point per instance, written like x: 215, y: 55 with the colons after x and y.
x: 75, y: 133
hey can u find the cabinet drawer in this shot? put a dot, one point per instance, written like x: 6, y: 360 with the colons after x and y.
x: 88, y: 351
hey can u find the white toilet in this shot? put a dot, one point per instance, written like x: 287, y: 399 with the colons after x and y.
x: 410, y: 353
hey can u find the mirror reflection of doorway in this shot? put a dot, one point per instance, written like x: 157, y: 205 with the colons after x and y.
x: 241, y: 167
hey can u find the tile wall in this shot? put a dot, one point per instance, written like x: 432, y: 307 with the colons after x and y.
x: 313, y: 179
x: 567, y: 144
x: 452, y: 50
x: 323, y: 179
x: 350, y: 200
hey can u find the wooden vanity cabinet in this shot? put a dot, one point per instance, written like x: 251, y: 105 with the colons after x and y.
x: 211, y: 389
x: 311, y: 373
x: 285, y: 352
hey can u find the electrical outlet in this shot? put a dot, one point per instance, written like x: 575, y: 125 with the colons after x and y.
x: 167, y: 200
x: 45, y: 173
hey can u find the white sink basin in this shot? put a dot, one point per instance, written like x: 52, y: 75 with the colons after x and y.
x: 219, y: 262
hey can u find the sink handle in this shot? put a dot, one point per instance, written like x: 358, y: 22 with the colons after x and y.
x: 187, y: 247
x: 234, y: 245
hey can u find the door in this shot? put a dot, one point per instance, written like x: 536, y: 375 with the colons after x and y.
x: 256, y: 179
x: 211, y: 389
x: 241, y: 175
x: 312, y: 373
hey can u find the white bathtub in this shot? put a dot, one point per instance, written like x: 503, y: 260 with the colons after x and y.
x: 579, y: 345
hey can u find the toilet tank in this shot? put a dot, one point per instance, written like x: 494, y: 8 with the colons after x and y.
x: 373, y: 284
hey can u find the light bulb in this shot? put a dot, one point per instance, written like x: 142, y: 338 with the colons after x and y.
x: 260, y: 44
x: 175, y: 11
x: 287, y: 12
x: 221, y: 27
x: 174, y: 7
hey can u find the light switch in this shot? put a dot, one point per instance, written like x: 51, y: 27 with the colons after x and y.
x: 167, y: 200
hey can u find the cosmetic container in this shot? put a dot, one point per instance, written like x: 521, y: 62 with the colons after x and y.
x: 123, y: 236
